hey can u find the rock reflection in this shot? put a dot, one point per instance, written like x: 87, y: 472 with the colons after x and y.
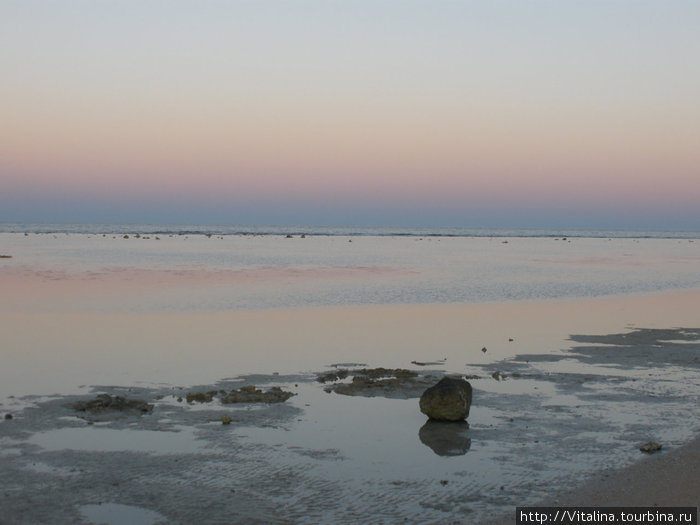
x: 446, y: 438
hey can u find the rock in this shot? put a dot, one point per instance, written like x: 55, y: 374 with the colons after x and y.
x: 650, y: 447
x: 448, y: 400
x: 8, y: 416
x: 446, y: 438
x: 106, y: 403
x: 200, y: 397
x: 384, y: 382
x: 484, y: 349
x: 332, y: 376
x: 250, y: 394
x: 225, y: 419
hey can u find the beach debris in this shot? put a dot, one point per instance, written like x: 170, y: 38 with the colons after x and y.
x: 439, y: 362
x: 448, y: 400
x: 650, y: 447
x: 445, y: 438
x: 106, y: 403
x: 225, y: 419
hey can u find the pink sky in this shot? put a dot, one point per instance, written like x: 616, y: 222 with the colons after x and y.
x: 519, y: 114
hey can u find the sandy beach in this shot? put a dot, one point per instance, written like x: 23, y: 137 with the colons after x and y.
x: 565, y: 390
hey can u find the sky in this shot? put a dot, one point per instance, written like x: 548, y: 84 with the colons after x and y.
x: 556, y: 114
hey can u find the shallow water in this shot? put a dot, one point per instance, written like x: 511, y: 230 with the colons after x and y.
x: 153, y: 318
x: 198, y: 273
x: 330, y: 458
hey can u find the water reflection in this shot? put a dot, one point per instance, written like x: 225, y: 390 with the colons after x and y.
x: 446, y: 438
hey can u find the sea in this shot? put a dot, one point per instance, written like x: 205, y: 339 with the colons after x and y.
x: 161, y: 310
x: 263, y: 267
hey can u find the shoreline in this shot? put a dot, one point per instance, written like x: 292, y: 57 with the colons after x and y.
x: 664, y: 479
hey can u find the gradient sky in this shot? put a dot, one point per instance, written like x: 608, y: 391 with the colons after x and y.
x: 383, y: 112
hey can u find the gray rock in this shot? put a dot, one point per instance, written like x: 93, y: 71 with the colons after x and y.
x: 650, y: 447
x: 448, y: 400
x: 106, y: 403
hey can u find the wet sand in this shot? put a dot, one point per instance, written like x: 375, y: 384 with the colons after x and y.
x: 665, y: 479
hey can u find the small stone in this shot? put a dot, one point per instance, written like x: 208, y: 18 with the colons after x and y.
x: 650, y: 447
x: 443, y: 482
x: 483, y: 349
x: 225, y: 419
x: 8, y: 416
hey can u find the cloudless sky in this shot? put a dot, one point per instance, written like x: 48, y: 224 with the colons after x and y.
x: 404, y: 113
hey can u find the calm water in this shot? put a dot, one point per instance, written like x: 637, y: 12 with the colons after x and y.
x: 236, y: 303
x: 196, y: 272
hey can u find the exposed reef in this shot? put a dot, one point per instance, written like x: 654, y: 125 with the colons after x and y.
x: 106, y: 403
x: 245, y: 394
x: 378, y: 382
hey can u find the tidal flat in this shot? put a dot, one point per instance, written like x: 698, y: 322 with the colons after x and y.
x: 370, y: 457
x: 563, y: 389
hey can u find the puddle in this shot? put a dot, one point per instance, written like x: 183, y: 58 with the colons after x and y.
x: 93, y: 439
x: 118, y: 514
